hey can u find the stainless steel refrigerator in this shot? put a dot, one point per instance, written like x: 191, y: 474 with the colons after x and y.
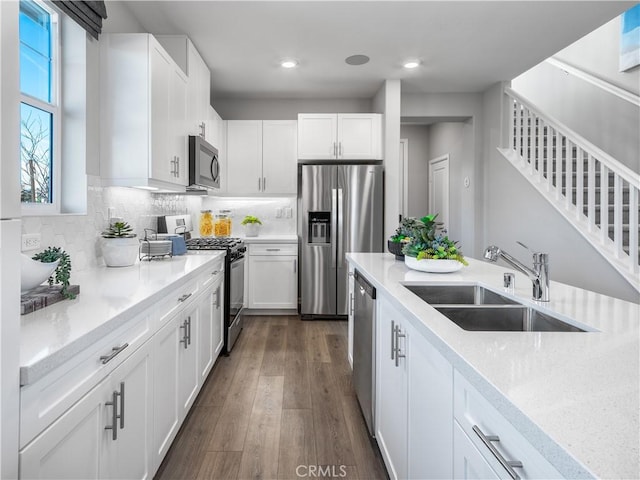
x: 341, y: 210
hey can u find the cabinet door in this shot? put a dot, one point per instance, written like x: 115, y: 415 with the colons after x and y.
x: 244, y: 156
x: 273, y: 281
x: 217, y: 320
x: 350, y: 320
x: 317, y: 136
x: 166, y: 345
x: 162, y: 158
x: 198, y: 93
x: 391, y: 390
x: 468, y: 462
x: 178, y: 123
x: 359, y: 136
x: 209, y: 327
x: 70, y: 447
x: 430, y: 448
x: 279, y: 156
x: 128, y: 456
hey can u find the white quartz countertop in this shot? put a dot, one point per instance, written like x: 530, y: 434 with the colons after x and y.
x: 291, y: 238
x: 574, y: 396
x: 108, y: 298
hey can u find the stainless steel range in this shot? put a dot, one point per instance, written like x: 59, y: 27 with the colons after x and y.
x: 233, y: 282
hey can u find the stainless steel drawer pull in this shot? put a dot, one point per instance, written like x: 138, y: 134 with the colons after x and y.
x: 273, y: 249
x: 393, y: 335
x: 189, y: 331
x: 114, y: 351
x: 215, y: 272
x: 184, y: 297
x: 114, y: 415
x: 508, y: 465
x: 185, y: 339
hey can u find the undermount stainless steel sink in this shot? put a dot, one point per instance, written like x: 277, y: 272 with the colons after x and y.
x: 473, y: 307
x: 459, y: 295
x: 504, y: 318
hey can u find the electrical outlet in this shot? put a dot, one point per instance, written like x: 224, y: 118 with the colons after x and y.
x: 287, y: 212
x: 278, y: 212
x: 31, y: 241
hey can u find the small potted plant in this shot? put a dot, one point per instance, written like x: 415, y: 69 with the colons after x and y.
x: 251, y: 225
x: 402, y: 236
x: 430, y: 250
x: 57, y: 267
x: 119, y: 245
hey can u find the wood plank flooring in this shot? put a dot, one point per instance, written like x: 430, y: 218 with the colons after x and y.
x: 281, y: 406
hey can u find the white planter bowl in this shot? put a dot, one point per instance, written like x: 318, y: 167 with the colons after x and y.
x: 432, y: 266
x: 34, y: 272
x: 252, y: 229
x: 119, y: 252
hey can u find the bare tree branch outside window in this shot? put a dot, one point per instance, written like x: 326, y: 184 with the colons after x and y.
x: 35, y: 146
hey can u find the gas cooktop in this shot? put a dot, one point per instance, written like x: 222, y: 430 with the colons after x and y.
x: 215, y: 243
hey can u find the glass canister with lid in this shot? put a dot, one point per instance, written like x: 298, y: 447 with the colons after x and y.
x: 222, y: 225
x: 206, y: 223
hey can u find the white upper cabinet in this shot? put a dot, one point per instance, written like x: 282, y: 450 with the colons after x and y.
x: 261, y: 157
x: 342, y: 136
x: 143, y: 114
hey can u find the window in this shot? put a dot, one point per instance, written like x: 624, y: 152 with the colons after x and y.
x: 39, y: 107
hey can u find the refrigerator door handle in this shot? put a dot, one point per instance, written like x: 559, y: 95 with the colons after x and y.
x: 334, y: 226
x: 340, y: 239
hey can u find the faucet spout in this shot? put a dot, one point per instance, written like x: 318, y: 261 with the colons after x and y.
x: 539, y: 274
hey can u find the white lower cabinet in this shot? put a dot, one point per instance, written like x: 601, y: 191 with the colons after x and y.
x: 413, y: 400
x: 210, y: 324
x: 273, y: 276
x: 104, y: 435
x: 468, y: 462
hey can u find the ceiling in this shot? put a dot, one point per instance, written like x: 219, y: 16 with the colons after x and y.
x: 463, y: 46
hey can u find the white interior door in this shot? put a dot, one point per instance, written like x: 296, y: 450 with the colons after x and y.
x: 439, y: 188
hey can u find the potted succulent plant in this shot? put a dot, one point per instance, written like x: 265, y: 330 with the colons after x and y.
x: 52, y: 263
x: 402, y: 236
x: 119, y: 245
x: 251, y: 225
x: 429, y: 249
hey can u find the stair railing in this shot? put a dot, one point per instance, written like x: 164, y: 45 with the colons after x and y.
x: 596, y: 192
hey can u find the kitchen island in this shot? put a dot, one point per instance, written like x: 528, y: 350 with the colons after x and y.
x: 573, y: 396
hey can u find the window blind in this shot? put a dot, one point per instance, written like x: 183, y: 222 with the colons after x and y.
x: 87, y: 14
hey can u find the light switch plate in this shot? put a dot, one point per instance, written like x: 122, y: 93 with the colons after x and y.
x: 31, y: 241
x: 287, y: 212
x: 278, y: 212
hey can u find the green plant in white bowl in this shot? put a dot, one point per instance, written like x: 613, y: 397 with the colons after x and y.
x: 251, y: 224
x: 119, y: 245
x: 62, y: 273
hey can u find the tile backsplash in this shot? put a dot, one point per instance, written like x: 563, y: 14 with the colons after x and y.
x: 79, y: 235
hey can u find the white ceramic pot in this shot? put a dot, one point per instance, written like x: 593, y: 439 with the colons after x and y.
x: 432, y: 266
x: 34, y: 272
x: 252, y: 229
x: 119, y: 252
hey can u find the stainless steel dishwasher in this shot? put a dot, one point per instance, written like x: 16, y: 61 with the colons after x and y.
x: 364, y: 345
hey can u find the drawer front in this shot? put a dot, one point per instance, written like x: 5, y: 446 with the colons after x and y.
x: 273, y: 249
x: 176, y: 300
x: 214, y: 272
x: 48, y: 398
x: 471, y: 409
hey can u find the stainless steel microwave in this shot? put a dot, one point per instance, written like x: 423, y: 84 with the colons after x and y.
x: 204, y: 169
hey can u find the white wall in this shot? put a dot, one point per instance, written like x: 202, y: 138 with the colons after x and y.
x: 514, y: 210
x: 287, y: 108
x: 417, y: 169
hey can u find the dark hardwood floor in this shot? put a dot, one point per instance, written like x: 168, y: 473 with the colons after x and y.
x: 281, y: 406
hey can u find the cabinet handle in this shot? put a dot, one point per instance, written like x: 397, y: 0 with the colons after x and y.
x: 273, y: 249
x: 351, y: 304
x: 339, y: 149
x: 189, y: 330
x: 114, y: 415
x: 114, y: 351
x: 295, y: 265
x: 121, y: 416
x: 178, y: 166
x: 259, y: 184
x: 398, y: 354
x: 393, y: 334
x: 203, y: 130
x: 184, y: 334
x: 335, y: 149
x: 215, y: 272
x: 264, y: 184
x: 508, y: 465
x: 184, y: 297
x: 217, y: 304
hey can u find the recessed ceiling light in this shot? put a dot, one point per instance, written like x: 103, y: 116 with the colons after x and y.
x: 289, y: 64
x: 411, y: 64
x: 357, y: 60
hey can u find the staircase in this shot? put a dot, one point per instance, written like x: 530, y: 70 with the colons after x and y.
x: 597, y: 194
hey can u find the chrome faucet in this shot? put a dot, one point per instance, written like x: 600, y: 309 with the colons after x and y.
x: 539, y: 274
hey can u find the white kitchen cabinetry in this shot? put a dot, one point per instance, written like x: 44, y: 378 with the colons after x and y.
x: 261, y: 157
x: 210, y: 322
x: 273, y: 276
x: 475, y: 457
x: 92, y: 440
x: 414, y: 386
x: 143, y: 114
x: 343, y: 136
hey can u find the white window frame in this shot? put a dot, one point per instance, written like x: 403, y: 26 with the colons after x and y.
x: 54, y: 108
